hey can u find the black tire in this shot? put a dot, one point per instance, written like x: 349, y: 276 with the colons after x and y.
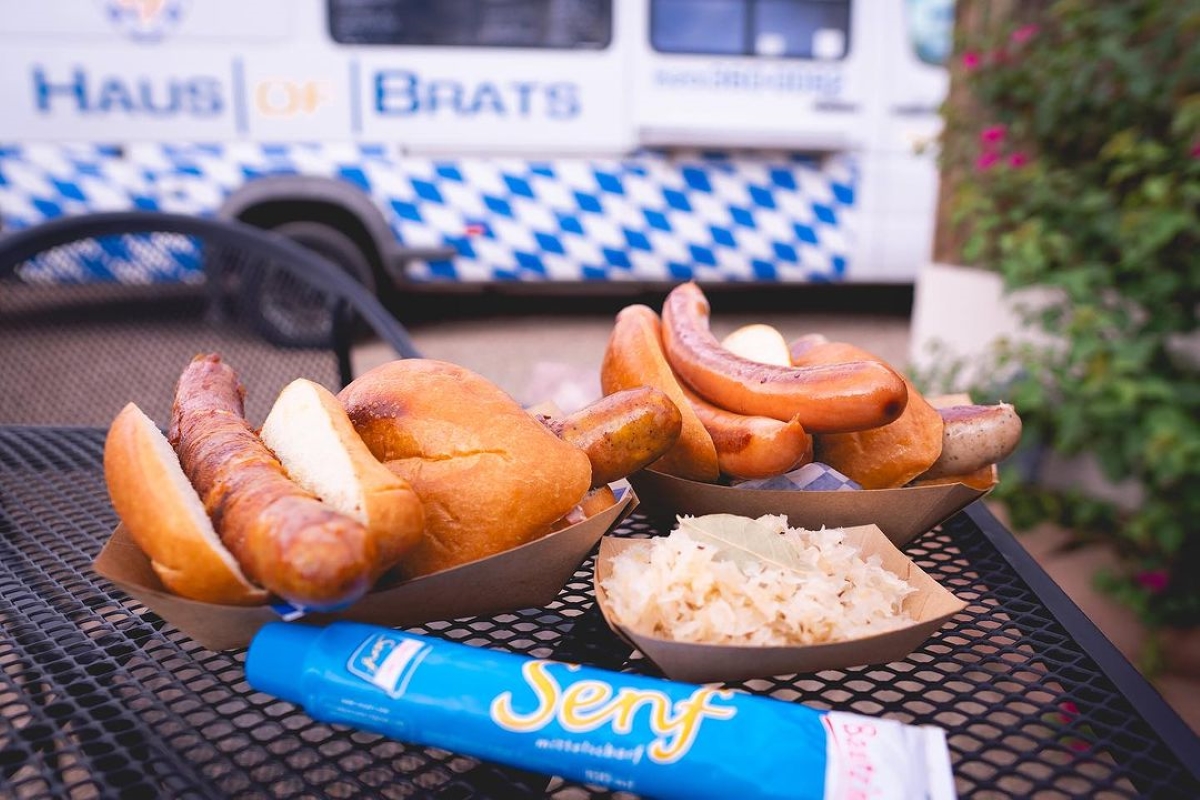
x: 336, y: 246
x: 289, y: 315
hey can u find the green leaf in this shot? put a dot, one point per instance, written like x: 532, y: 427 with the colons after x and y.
x: 1106, y: 100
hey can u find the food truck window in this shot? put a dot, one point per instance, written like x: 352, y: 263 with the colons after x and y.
x: 473, y: 23
x: 930, y: 29
x: 815, y: 29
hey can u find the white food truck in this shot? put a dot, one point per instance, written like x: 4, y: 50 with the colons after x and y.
x: 491, y: 141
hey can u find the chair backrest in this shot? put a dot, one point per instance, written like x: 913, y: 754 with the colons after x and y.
x: 101, y: 309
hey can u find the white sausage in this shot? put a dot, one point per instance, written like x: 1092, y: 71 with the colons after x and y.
x: 975, y: 436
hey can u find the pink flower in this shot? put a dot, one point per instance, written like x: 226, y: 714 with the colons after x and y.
x: 986, y: 160
x: 1069, y: 714
x: 1154, y: 580
x: 1195, y: 151
x: 1018, y: 160
x: 971, y: 60
x: 1024, y: 33
x: 993, y: 134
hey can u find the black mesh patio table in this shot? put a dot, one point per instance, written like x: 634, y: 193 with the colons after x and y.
x: 99, y: 697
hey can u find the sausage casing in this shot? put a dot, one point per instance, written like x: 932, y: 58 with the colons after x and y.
x: 634, y: 357
x: 828, y: 398
x: 975, y: 436
x: 751, y: 447
x: 622, y: 432
x: 284, y: 538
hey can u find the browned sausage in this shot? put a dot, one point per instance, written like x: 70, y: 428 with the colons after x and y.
x: 829, y: 398
x: 622, y: 432
x: 283, y: 537
x: 752, y: 447
x: 634, y: 357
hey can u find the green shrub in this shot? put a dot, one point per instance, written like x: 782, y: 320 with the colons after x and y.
x: 1076, y: 165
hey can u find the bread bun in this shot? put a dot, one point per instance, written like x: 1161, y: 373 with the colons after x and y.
x: 164, y: 515
x: 759, y: 342
x: 878, y: 458
x: 949, y: 400
x: 982, y: 479
x: 595, y: 501
x: 490, y: 476
x: 309, y: 432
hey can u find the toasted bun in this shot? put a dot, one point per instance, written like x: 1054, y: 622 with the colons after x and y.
x: 982, y: 479
x: 950, y: 400
x: 759, y: 342
x: 878, y: 458
x: 312, y: 437
x: 593, y: 503
x: 164, y: 515
x: 490, y: 476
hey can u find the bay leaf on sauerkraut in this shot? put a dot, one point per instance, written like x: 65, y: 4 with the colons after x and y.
x: 742, y: 540
x: 723, y: 579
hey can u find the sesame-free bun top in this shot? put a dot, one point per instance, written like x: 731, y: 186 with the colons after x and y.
x: 310, y: 434
x: 490, y: 476
x: 165, y: 517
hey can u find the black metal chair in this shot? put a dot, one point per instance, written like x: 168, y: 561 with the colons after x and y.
x: 101, y: 309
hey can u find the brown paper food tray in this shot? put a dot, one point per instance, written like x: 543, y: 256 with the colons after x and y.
x: 931, y: 606
x: 529, y: 576
x: 902, y: 514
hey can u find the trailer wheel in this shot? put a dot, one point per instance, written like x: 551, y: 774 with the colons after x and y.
x: 291, y: 316
x: 330, y: 242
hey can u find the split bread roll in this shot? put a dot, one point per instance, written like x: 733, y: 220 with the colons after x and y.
x: 759, y: 342
x: 165, y: 517
x: 595, y: 501
x: 490, y: 476
x: 309, y: 432
x: 982, y: 479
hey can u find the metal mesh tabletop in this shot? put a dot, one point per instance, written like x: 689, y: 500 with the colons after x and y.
x: 100, y: 698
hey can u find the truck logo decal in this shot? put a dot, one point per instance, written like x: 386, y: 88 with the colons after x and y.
x: 144, y: 20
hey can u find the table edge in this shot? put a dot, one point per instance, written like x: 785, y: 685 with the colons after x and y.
x: 1146, y: 700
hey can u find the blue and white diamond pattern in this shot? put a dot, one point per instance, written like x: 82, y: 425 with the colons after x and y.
x: 647, y: 217
x: 45, y: 182
x: 132, y: 260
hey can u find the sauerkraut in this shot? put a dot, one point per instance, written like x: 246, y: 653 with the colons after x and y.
x: 693, y: 586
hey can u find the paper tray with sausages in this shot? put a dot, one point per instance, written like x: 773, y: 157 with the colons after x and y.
x: 420, y: 492
x: 755, y: 407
